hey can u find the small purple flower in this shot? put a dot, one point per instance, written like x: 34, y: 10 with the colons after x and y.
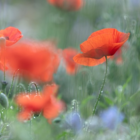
x: 111, y: 117
x: 73, y: 121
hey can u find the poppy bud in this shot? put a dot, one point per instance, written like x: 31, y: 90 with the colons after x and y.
x: 57, y: 120
x: 4, y: 84
x: 4, y: 100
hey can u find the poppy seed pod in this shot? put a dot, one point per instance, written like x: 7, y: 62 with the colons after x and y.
x: 4, y: 100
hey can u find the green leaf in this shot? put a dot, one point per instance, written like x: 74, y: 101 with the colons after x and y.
x: 63, y: 134
x: 86, y: 100
x: 132, y: 96
x: 108, y: 100
x: 126, y: 83
x: 102, y: 104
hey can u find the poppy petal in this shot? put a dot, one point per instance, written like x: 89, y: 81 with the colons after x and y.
x: 53, y: 108
x: 11, y: 34
x: 87, y: 61
x: 49, y: 91
x: 102, y: 31
x: 95, y: 42
x: 22, y: 99
x: 36, y: 64
x: 108, y: 40
x: 70, y: 65
x: 26, y: 114
x: 31, y: 101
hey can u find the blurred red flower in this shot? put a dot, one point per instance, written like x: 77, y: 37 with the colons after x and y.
x: 70, y: 65
x: 2, y: 60
x: 46, y: 102
x: 67, y: 4
x: 101, y: 43
x: 33, y: 60
x: 11, y: 34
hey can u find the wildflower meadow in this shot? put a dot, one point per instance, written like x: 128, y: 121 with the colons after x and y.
x: 69, y: 70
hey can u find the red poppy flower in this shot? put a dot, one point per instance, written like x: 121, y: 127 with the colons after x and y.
x: 11, y: 34
x: 2, y: 47
x: 35, y: 103
x: 101, y: 43
x: 33, y: 60
x: 68, y: 55
x: 67, y: 4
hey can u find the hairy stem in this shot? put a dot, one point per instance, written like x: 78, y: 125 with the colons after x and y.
x: 101, y: 89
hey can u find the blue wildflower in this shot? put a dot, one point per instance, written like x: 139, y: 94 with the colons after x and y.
x: 111, y: 117
x: 73, y: 121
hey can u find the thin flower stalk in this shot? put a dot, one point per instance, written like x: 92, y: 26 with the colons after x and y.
x: 101, y: 89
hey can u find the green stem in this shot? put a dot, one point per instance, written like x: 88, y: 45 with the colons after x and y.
x: 4, y: 70
x: 31, y: 128
x: 35, y: 85
x: 20, y: 85
x: 12, y: 84
x: 101, y: 89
